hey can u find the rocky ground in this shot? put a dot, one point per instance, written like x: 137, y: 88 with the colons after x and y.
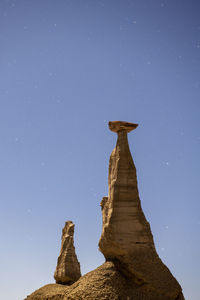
x: 105, y: 283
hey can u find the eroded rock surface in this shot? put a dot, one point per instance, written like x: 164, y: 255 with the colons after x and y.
x: 104, y: 283
x: 126, y: 235
x: 68, y: 267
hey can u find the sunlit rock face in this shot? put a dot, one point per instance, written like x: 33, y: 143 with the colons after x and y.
x: 68, y: 267
x: 126, y: 235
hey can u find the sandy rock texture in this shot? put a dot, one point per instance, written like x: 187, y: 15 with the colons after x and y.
x: 68, y: 267
x: 104, y: 283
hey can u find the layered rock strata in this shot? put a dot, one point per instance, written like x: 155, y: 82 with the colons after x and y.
x: 126, y: 235
x: 68, y: 267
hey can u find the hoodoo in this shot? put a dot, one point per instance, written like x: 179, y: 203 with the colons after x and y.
x: 126, y: 235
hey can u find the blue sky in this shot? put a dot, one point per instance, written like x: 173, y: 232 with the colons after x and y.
x: 66, y: 69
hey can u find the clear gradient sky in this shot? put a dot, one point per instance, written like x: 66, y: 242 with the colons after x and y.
x: 67, y: 67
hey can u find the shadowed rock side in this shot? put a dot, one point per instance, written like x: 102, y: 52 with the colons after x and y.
x: 68, y: 267
x: 104, y: 283
x: 126, y: 235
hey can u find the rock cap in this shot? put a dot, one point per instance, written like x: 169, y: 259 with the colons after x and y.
x: 117, y: 126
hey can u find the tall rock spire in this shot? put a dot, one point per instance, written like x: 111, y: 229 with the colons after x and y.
x: 126, y: 235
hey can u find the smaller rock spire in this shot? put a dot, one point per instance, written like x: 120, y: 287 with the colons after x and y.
x: 68, y: 267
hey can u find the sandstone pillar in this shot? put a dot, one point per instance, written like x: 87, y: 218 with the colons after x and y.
x: 126, y: 235
x: 68, y: 267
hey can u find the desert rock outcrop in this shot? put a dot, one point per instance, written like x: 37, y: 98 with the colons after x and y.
x: 68, y: 267
x: 126, y: 235
x: 133, y: 269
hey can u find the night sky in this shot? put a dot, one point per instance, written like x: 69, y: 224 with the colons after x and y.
x: 67, y: 67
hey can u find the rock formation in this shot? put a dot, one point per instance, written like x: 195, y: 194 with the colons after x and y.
x: 126, y: 236
x: 68, y: 267
x: 133, y: 269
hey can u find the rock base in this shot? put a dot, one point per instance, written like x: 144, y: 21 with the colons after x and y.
x: 105, y: 283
